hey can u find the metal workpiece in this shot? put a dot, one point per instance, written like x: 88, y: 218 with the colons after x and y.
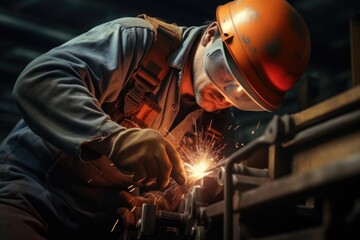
x: 159, y: 224
x: 347, y: 170
x: 184, y: 224
x: 279, y: 128
x: 244, y: 183
x: 240, y: 169
x: 245, y: 179
x: 332, y: 126
x: 245, y: 175
x: 148, y: 218
x: 211, y: 186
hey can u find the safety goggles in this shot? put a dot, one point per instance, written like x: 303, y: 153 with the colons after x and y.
x: 218, y: 71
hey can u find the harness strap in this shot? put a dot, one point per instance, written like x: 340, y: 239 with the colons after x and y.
x: 140, y: 103
x: 154, y: 67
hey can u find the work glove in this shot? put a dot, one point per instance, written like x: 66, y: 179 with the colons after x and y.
x: 148, y: 156
x: 130, y: 210
x: 129, y: 213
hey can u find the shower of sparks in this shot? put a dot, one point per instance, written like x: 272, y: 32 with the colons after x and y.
x: 200, y: 153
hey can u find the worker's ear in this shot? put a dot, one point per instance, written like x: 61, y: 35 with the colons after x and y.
x: 209, y: 33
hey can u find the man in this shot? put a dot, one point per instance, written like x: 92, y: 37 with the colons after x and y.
x: 83, y: 141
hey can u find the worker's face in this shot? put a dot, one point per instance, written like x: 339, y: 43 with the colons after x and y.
x: 207, y: 95
x: 215, y: 87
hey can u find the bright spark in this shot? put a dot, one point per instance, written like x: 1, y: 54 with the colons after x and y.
x: 116, y: 222
x: 200, y: 153
x: 199, y: 169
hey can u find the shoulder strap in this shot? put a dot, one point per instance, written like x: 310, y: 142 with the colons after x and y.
x: 140, y: 106
x: 167, y: 38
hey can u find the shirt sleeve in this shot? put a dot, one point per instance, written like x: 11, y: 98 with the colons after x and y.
x: 60, y: 93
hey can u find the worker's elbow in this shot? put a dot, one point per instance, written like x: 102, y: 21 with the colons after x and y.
x: 20, y: 90
x: 25, y: 93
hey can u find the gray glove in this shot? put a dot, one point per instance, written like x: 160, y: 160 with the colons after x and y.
x: 148, y: 156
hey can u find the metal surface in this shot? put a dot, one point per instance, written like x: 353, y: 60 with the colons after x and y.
x: 302, y: 183
x: 332, y: 126
x: 278, y: 128
x: 245, y: 177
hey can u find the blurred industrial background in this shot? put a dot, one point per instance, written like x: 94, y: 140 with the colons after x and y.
x: 29, y: 28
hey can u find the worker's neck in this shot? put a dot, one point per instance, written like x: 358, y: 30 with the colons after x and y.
x: 186, y: 86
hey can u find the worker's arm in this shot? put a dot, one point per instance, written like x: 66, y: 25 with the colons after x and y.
x: 60, y: 93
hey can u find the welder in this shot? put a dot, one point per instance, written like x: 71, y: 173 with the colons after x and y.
x: 107, y: 110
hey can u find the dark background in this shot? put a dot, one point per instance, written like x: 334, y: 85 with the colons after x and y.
x: 28, y: 28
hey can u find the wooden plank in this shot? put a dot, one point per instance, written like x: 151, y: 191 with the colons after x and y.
x: 334, y: 149
x: 335, y: 105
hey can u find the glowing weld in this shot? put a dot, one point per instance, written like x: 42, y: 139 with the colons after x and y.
x: 200, y: 153
x: 198, y: 170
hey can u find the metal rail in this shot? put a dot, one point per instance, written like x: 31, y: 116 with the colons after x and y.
x: 279, y: 128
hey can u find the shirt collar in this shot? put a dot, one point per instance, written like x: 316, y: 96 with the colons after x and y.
x: 189, y: 36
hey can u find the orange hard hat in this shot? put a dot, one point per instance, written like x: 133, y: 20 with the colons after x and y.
x: 267, y: 47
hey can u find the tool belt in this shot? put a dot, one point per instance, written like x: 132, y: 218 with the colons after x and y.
x: 140, y: 105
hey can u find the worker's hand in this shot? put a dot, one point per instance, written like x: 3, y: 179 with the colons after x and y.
x: 130, y: 210
x: 148, y: 156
